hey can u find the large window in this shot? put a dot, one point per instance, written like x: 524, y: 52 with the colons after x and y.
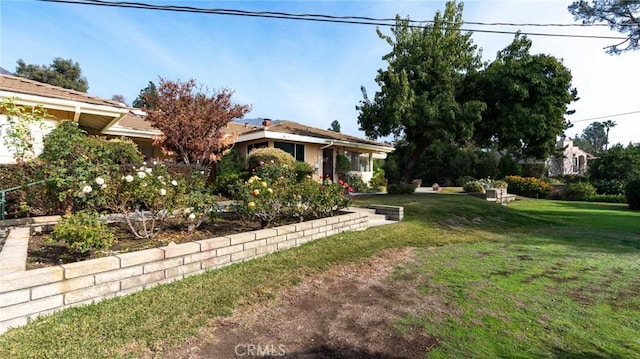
x: 296, y: 150
x: 253, y: 146
x: 359, y: 161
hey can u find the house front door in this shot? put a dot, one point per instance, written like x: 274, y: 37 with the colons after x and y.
x: 327, y: 163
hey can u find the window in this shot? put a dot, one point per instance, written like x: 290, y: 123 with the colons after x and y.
x: 295, y: 149
x: 253, y: 146
x: 359, y: 161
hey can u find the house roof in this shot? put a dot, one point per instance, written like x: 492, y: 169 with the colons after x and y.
x: 295, y: 128
x: 31, y: 87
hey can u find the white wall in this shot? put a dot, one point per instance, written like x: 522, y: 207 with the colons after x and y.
x: 38, y: 134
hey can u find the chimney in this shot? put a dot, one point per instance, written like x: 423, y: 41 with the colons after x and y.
x: 267, y: 122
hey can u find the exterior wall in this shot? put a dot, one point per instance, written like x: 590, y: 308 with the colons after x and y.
x: 28, y: 294
x: 37, y: 133
x: 574, y: 161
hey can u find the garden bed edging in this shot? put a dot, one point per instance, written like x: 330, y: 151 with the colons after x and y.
x: 27, y: 295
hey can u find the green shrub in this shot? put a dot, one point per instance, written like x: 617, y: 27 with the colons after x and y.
x: 461, y: 181
x: 607, y: 198
x: 499, y: 184
x: 473, y: 186
x: 580, y: 191
x: 378, y: 182
x: 343, y: 164
x: 528, y: 186
x: 356, y: 182
x: 537, y: 170
x: 70, y: 157
x: 303, y: 170
x: 632, y: 191
x: 82, y: 232
x: 265, y: 156
x: 272, y: 164
x: 610, y: 186
x: 225, y: 182
x: 402, y: 188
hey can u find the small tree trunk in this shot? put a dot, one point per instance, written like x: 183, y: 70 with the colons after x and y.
x: 213, y: 173
x: 407, y: 171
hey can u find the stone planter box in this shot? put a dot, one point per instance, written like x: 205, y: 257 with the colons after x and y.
x: 26, y: 295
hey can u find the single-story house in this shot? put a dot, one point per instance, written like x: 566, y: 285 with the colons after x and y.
x: 318, y: 147
x: 574, y: 161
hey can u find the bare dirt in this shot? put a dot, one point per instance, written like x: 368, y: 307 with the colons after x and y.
x: 349, y: 311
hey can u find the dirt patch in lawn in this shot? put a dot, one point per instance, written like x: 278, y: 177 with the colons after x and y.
x: 349, y: 311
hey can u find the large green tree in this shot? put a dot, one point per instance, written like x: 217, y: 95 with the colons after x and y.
x: 621, y: 15
x: 146, y: 96
x: 527, y: 98
x: 421, y: 91
x: 63, y: 73
x: 593, y: 138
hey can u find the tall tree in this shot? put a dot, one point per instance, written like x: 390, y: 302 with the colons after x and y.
x: 335, y: 126
x: 119, y: 98
x: 150, y: 92
x: 420, y: 90
x: 527, y: 97
x: 63, y: 73
x: 192, y: 121
x: 621, y: 15
x: 595, y: 136
x: 608, y: 124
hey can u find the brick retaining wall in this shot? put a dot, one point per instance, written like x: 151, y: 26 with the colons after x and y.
x: 29, y: 294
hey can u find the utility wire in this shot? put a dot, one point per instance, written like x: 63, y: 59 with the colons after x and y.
x: 358, y: 20
x: 607, y: 116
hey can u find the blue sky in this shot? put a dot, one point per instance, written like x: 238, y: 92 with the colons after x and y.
x: 295, y: 70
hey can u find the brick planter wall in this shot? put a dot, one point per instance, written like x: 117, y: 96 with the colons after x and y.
x: 29, y: 294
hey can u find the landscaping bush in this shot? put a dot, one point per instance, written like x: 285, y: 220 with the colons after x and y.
x: 27, y: 200
x: 528, y: 186
x: 303, y: 170
x: 272, y: 201
x: 607, y: 198
x: 83, y: 231
x: 356, y: 182
x: 632, y: 191
x: 610, y: 186
x: 579, y: 191
x: 70, y: 158
x: 537, y: 170
x: 261, y: 156
x: 473, y: 186
x: 401, y: 188
x: 378, y: 182
x: 461, y: 181
x: 343, y: 164
x: 499, y: 184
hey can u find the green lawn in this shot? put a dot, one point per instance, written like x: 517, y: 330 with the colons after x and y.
x: 534, y: 279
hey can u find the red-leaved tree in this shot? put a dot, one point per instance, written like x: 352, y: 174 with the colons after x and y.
x: 192, y: 121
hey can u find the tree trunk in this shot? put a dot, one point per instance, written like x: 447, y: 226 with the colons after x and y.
x: 407, y: 171
x: 213, y: 173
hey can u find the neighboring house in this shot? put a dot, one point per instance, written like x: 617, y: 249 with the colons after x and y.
x: 574, y: 161
x: 97, y: 116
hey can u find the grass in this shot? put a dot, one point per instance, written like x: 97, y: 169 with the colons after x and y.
x: 535, y: 279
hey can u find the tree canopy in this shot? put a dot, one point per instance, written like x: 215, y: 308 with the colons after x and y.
x: 192, y: 121
x: 335, y: 126
x: 593, y: 138
x: 421, y: 93
x: 150, y: 92
x: 526, y: 97
x: 621, y: 15
x: 63, y: 73
x: 435, y: 88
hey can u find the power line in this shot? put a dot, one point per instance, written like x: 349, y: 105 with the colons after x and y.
x: 357, y: 20
x: 607, y: 116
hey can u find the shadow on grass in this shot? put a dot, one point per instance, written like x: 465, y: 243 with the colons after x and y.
x: 561, y: 353
x: 328, y: 352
